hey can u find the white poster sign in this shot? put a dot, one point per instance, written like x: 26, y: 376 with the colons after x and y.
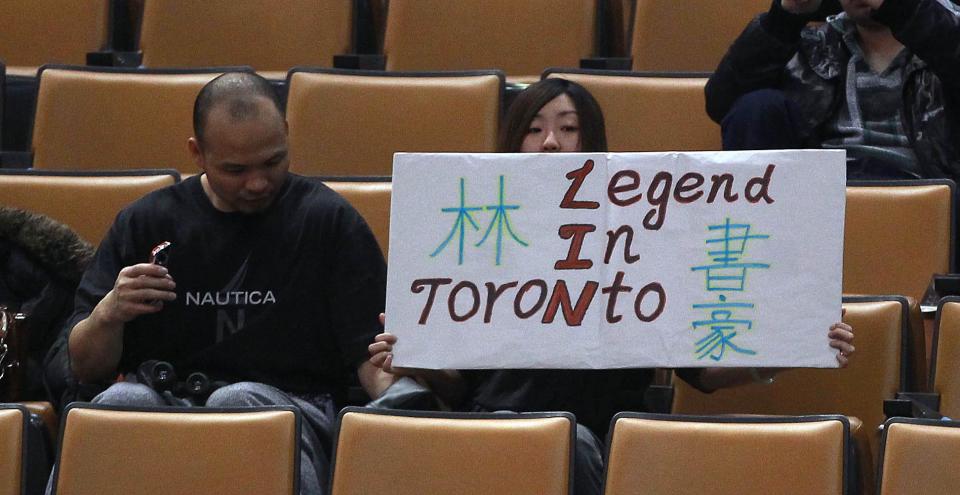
x: 615, y: 260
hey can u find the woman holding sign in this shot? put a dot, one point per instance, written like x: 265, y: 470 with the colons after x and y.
x: 556, y: 115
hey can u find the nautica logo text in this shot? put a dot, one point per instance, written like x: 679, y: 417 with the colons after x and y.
x: 230, y: 298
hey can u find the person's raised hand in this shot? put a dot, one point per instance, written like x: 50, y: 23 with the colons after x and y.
x: 841, y: 338
x: 800, y: 6
x: 381, y: 351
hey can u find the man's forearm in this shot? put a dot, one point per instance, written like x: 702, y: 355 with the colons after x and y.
x: 95, y: 347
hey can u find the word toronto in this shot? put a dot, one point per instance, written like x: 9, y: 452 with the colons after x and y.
x: 624, y: 190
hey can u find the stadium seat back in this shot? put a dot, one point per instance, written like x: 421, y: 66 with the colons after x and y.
x: 86, y: 202
x: 179, y: 451
x: 661, y: 454
x: 897, y: 235
x: 13, y: 448
x: 519, y: 38
x: 412, y: 453
x: 260, y: 33
x: 920, y: 456
x: 371, y: 198
x: 650, y: 112
x: 945, y: 360
x: 690, y: 36
x: 352, y: 122
x: 89, y: 119
x: 38, y: 32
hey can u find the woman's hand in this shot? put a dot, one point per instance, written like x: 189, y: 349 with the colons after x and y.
x: 841, y: 338
x: 381, y: 352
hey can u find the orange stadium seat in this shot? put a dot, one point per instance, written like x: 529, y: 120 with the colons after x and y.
x: 689, y: 36
x: 370, y: 196
x: 352, y: 122
x: 877, y: 372
x: 38, y: 32
x: 649, y: 112
x: 178, y: 451
x: 519, y: 38
x: 945, y: 360
x: 414, y: 452
x: 269, y: 36
x: 897, y: 235
x: 13, y: 449
x: 87, y: 202
x: 116, y: 119
x: 662, y: 454
x: 920, y: 456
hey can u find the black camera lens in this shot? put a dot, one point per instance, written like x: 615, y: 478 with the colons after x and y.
x: 198, y: 385
x: 163, y: 375
x: 158, y: 375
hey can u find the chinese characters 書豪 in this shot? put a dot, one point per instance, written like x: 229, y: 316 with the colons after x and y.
x: 726, y: 274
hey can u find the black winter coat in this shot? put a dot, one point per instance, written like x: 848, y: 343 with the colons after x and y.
x: 41, y: 262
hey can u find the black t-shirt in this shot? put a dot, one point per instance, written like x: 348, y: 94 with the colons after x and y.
x: 593, y: 396
x: 288, y: 296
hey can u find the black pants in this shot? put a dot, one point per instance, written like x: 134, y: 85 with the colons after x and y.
x: 766, y: 119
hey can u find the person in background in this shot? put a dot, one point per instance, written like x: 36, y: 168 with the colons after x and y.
x: 880, y: 80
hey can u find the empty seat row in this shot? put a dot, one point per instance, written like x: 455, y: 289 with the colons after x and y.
x: 105, y: 450
x: 520, y: 38
x: 341, y: 122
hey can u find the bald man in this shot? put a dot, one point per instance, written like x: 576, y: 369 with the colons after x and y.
x: 270, y: 286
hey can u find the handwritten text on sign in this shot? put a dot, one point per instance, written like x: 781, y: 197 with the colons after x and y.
x: 615, y: 260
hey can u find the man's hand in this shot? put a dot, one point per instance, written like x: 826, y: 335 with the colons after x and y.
x: 96, y: 343
x: 800, y: 6
x: 138, y: 290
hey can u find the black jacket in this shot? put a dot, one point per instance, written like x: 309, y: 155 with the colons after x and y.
x: 776, y: 50
x: 41, y: 262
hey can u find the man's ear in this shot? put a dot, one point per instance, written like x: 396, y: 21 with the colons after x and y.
x: 194, y: 146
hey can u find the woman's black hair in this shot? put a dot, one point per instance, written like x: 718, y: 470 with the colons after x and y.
x: 593, y: 132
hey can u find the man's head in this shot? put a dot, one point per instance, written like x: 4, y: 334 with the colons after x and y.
x: 240, y: 142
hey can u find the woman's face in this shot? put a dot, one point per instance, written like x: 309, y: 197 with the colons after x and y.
x: 555, y: 128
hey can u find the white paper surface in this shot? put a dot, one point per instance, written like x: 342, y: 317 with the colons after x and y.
x: 769, y: 300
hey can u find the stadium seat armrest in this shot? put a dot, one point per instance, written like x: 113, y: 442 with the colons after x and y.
x: 913, y: 405
x: 114, y: 58
x: 16, y: 159
x: 361, y: 61
x: 607, y: 63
